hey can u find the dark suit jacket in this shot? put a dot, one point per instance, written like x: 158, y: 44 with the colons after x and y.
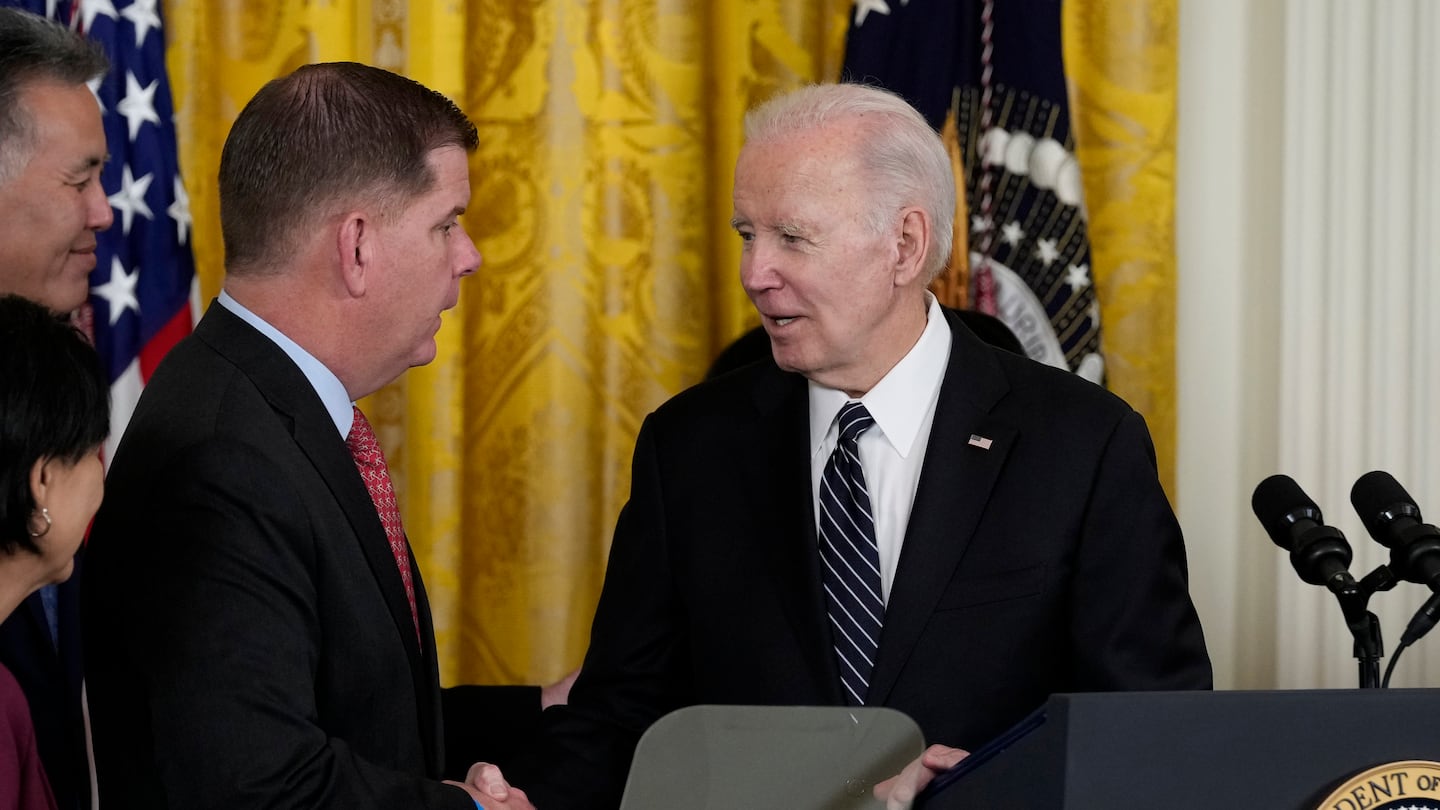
x: 248, y: 640
x: 1050, y: 562
x: 49, y: 673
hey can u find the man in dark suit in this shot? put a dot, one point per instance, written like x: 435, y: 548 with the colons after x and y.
x: 893, y: 513
x: 257, y: 635
x: 52, y: 146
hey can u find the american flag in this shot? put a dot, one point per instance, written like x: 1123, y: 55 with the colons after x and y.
x: 141, y: 288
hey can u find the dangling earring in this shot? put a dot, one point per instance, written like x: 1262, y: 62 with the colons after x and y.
x: 44, y: 513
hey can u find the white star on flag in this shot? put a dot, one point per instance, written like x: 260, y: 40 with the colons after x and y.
x: 864, y: 7
x: 1077, y: 276
x: 94, y: 85
x: 130, y: 199
x: 180, y: 211
x: 90, y: 9
x: 143, y: 16
x: 1013, y: 233
x: 119, y: 291
x: 1045, y: 251
x: 138, y: 106
x: 980, y: 224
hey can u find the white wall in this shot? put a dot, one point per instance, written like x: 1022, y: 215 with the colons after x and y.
x: 1306, y: 192
x: 1227, y: 240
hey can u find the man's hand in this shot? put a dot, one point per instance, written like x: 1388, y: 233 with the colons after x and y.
x: 899, y: 791
x: 558, y: 693
x: 487, y: 786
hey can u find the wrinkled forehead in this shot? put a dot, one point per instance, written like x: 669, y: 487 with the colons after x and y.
x: 812, y: 170
x: 839, y: 139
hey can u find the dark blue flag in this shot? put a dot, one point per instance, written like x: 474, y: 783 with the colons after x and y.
x: 993, y: 70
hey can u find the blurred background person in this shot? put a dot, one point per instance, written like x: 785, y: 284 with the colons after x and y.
x: 54, y: 416
x: 52, y: 203
x: 52, y: 147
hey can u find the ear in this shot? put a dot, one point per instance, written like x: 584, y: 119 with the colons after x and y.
x: 913, y: 247
x: 41, y: 478
x: 355, y: 250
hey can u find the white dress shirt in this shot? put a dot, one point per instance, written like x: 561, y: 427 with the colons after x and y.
x: 893, y: 449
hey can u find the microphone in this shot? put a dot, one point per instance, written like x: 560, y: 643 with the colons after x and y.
x: 1322, y: 557
x: 1393, y: 519
x: 1319, y: 553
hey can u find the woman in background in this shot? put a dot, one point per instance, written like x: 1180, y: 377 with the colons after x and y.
x: 54, y: 417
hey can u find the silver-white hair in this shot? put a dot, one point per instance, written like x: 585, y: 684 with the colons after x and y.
x: 904, y: 157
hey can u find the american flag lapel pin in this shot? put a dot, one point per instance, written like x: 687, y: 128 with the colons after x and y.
x: 982, y: 442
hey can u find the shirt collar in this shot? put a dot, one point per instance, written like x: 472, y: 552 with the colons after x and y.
x: 900, y: 401
x: 327, y: 386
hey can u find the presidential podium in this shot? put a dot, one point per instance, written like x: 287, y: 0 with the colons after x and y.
x: 1272, y: 750
x: 1276, y: 750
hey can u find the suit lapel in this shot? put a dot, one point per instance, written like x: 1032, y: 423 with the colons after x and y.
x: 337, y: 468
x: 955, y: 484
x: 778, y: 495
x: 287, y: 390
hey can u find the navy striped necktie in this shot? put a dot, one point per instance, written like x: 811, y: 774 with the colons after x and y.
x: 850, y: 557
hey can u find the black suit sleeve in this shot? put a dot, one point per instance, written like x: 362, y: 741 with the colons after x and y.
x: 634, y: 668
x: 487, y: 724
x: 1134, y: 626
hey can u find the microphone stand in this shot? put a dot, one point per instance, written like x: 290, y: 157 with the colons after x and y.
x: 1354, y: 598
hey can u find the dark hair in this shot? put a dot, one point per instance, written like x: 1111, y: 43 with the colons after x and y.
x: 327, y: 136
x: 54, y: 402
x: 33, y: 48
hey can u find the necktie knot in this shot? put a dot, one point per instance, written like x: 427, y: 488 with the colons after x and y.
x: 362, y: 442
x: 854, y: 420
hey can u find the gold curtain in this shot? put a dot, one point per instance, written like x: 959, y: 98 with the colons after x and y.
x: 601, y: 205
x: 1120, y: 59
x: 601, y: 200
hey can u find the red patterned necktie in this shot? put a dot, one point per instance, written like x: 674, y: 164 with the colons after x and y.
x: 370, y: 461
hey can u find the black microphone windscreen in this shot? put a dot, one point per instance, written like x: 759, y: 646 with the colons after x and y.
x: 1377, y: 493
x: 1277, y: 501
